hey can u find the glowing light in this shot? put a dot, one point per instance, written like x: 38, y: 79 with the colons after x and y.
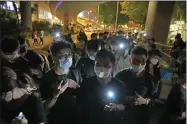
x: 57, y: 34
x: 127, y: 37
x: 121, y: 46
x: 110, y: 94
x: 144, y: 34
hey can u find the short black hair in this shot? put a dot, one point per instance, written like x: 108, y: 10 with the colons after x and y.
x: 9, y: 79
x: 178, y: 36
x: 138, y: 50
x: 56, y: 46
x: 34, y: 59
x: 100, y: 34
x: 93, y: 45
x: 93, y: 35
x: 106, y: 54
x: 9, y: 45
x: 105, y: 33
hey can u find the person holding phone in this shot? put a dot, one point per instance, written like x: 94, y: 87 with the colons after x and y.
x: 140, y: 86
x: 16, y: 98
x: 101, y: 98
x: 58, y: 86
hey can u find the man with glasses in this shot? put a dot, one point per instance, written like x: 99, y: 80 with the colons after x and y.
x: 59, y: 84
x: 140, y: 86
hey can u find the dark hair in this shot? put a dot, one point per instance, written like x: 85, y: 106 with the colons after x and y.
x: 9, y: 45
x: 24, y: 79
x: 105, y: 33
x: 9, y: 79
x: 152, y: 38
x: 100, y: 34
x: 155, y: 52
x: 93, y: 35
x: 138, y: 50
x: 34, y: 59
x: 93, y: 45
x: 106, y: 54
x: 178, y: 36
x: 55, y: 47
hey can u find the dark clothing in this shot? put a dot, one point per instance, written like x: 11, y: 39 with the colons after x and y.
x: 32, y: 108
x: 176, y: 105
x: 181, y: 44
x: 18, y: 65
x: 82, y: 36
x: 63, y: 109
x: 92, y: 97
x: 144, y: 86
x: 153, y: 46
x: 86, y: 67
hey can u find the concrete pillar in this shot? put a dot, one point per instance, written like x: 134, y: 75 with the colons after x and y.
x: 66, y: 21
x: 158, y: 19
x: 36, y: 13
x: 26, y: 15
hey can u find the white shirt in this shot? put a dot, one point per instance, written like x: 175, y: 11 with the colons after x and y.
x: 42, y: 33
x: 122, y: 64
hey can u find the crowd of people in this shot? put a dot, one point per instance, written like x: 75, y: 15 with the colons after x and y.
x: 111, y: 81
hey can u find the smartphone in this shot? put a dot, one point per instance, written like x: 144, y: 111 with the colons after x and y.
x: 20, y: 115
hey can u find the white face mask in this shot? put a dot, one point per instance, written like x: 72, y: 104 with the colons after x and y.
x: 11, y: 57
x: 91, y: 57
x: 138, y: 68
x: 66, y: 63
x: 102, y: 72
x: 154, y: 61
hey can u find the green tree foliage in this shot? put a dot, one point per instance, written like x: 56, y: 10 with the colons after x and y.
x: 179, y: 11
x: 8, y: 23
x: 107, y: 13
x: 136, y: 10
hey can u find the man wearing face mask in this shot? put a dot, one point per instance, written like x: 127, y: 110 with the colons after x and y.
x: 58, y: 86
x: 10, y: 49
x: 140, y: 85
x: 86, y: 64
x: 101, y: 98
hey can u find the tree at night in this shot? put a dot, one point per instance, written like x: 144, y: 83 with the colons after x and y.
x: 136, y: 10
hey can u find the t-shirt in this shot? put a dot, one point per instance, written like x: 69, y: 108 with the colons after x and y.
x: 63, y: 109
x: 86, y: 67
x: 144, y: 86
x: 92, y: 98
x: 32, y: 108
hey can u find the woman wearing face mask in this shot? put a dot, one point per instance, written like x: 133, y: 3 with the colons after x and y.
x: 140, y: 85
x: 58, y: 85
x: 101, y: 97
x: 16, y: 96
x: 153, y: 63
x: 86, y: 64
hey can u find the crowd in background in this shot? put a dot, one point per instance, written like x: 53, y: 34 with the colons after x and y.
x: 105, y: 80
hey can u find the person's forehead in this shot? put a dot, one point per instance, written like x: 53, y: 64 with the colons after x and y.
x: 139, y: 57
x: 63, y: 51
x: 103, y: 61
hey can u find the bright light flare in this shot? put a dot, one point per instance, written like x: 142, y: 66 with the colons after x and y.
x: 144, y: 34
x: 121, y: 46
x: 110, y: 94
x: 57, y: 34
